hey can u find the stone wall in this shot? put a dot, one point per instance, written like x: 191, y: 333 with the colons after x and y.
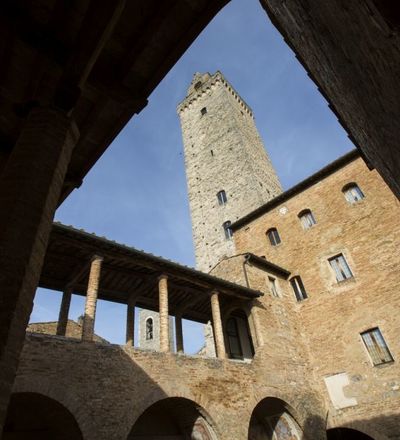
x: 73, y: 330
x: 154, y: 343
x: 334, y: 315
x: 223, y: 151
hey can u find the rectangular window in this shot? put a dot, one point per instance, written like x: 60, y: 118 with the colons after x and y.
x: 340, y: 267
x: 298, y: 288
x: 273, y: 286
x: 228, y: 230
x: 376, y: 346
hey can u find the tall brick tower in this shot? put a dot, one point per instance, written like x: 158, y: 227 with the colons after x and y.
x: 227, y: 168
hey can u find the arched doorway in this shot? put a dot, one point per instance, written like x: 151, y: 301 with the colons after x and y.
x: 174, y: 418
x: 272, y: 420
x: 346, y: 434
x: 32, y: 416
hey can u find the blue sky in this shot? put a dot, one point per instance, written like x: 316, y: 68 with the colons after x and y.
x: 136, y: 193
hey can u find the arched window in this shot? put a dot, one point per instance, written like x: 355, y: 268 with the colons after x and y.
x: 352, y: 193
x: 149, y: 329
x: 197, y: 85
x: 221, y: 196
x: 307, y: 219
x: 298, y: 288
x: 273, y: 236
x: 228, y: 230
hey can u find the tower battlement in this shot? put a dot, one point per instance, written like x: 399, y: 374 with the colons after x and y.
x: 204, y: 81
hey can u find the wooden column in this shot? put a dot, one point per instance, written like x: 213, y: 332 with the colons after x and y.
x: 64, y: 312
x: 30, y: 187
x: 91, y: 299
x: 130, y: 321
x: 164, y: 317
x: 217, y: 325
x: 179, y: 334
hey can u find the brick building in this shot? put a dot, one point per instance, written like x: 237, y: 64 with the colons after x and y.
x: 303, y: 302
x: 72, y: 76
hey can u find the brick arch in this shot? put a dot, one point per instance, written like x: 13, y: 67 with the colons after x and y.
x: 363, y: 428
x: 30, y: 413
x: 187, y: 412
x: 310, y: 419
x: 280, y: 404
x: 60, y: 394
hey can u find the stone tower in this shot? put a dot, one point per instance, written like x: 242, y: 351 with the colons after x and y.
x: 149, y: 330
x: 228, y: 170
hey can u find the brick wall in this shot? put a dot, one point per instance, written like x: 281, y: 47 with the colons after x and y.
x: 334, y: 315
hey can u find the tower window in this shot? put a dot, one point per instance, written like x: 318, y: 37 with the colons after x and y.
x: 273, y: 286
x: 273, y: 236
x: 228, y: 229
x: 203, y: 111
x: 221, y: 196
x: 376, y: 346
x: 340, y: 267
x: 298, y: 288
x: 149, y: 329
x: 307, y: 219
x: 352, y: 193
x: 197, y: 85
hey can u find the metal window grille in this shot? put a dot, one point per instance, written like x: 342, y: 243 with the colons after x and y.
x: 222, y: 198
x: 376, y: 346
x: 307, y: 219
x: 228, y: 230
x: 298, y: 288
x: 340, y: 267
x: 353, y: 193
x: 273, y: 236
x: 273, y: 286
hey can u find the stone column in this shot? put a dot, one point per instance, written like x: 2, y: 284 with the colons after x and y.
x: 64, y: 311
x: 164, y: 317
x: 91, y: 299
x: 217, y: 325
x: 179, y: 334
x: 130, y: 322
x: 30, y: 187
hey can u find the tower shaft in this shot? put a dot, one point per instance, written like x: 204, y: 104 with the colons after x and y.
x: 228, y: 170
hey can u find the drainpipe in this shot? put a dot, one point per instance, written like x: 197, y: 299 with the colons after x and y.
x: 245, y: 262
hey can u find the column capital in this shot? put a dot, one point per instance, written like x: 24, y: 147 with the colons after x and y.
x: 163, y: 276
x: 97, y: 257
x: 213, y: 292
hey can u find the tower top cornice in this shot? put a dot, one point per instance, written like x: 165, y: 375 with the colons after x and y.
x: 202, y: 82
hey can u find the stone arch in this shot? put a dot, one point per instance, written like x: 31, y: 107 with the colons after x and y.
x: 343, y: 433
x: 178, y: 417
x: 274, y: 419
x: 34, y: 415
x: 366, y: 428
x: 64, y: 397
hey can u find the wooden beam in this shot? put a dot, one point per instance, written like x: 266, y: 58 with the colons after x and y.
x: 95, y: 31
x: 77, y: 274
